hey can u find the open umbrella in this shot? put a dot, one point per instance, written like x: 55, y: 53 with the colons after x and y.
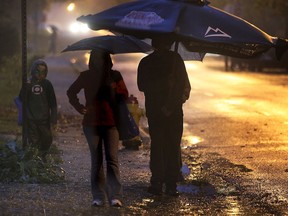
x: 111, y: 44
x: 200, y: 27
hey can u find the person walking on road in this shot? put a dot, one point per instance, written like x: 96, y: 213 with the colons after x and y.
x: 53, y: 40
x: 103, y: 87
x: 163, y: 78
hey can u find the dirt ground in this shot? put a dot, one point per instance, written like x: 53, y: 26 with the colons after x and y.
x: 214, y: 186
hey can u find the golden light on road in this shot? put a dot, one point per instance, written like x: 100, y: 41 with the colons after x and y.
x: 233, y: 206
x: 190, y: 141
x: 71, y: 7
x: 239, y: 80
x: 194, y: 139
x: 229, y: 105
x: 233, y: 101
x: 191, y: 65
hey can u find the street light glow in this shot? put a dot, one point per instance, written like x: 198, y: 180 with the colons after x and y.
x: 71, y: 7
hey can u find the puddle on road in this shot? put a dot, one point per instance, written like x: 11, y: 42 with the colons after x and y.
x: 197, y: 187
x: 191, y: 189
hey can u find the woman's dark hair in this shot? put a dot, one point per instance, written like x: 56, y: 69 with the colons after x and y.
x: 95, y: 55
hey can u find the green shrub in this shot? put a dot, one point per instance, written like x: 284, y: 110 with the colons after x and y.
x: 26, y: 166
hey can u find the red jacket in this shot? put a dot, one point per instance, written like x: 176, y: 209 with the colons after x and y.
x: 101, y: 101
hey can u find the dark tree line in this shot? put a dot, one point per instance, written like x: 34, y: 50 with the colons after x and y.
x: 10, y: 23
x: 10, y: 26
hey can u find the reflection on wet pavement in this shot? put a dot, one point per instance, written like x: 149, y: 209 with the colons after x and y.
x: 191, y: 189
x: 191, y: 141
x: 233, y: 207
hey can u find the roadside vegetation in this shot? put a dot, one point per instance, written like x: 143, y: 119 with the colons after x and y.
x: 27, y: 166
x: 10, y: 84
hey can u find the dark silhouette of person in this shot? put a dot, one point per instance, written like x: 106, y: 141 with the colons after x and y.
x: 163, y: 78
x: 53, y: 39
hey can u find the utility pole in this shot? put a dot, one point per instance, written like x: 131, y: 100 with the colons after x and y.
x: 24, y: 72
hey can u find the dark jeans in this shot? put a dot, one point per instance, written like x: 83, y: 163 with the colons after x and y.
x: 165, y: 156
x: 96, y: 137
x: 40, y: 135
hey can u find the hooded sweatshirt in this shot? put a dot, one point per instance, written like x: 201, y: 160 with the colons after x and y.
x: 41, y: 99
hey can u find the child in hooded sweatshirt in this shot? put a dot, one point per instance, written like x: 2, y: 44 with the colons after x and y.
x: 41, y: 108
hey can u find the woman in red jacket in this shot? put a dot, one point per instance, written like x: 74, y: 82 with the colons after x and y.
x: 103, y: 89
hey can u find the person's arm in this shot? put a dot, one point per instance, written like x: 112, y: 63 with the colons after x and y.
x: 180, y: 88
x: 21, y: 94
x: 120, y: 88
x: 187, y: 88
x: 72, y: 94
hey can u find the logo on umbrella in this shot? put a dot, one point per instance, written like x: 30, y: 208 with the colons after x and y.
x: 140, y: 20
x: 211, y: 32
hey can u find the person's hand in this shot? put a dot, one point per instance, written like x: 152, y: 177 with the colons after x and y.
x: 185, y: 98
x: 185, y: 95
x: 83, y: 111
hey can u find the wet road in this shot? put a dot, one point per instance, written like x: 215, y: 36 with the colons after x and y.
x: 244, y: 118
x: 231, y: 118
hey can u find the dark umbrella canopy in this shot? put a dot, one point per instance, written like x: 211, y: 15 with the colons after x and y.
x: 201, y: 28
x: 124, y: 44
x: 111, y: 44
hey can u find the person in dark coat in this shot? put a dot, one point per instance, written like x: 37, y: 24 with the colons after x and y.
x: 41, y: 108
x: 103, y: 88
x: 53, y: 40
x: 163, y: 78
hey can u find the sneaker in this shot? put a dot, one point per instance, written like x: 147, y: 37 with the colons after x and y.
x: 116, y: 203
x: 97, y: 203
x: 172, y: 192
